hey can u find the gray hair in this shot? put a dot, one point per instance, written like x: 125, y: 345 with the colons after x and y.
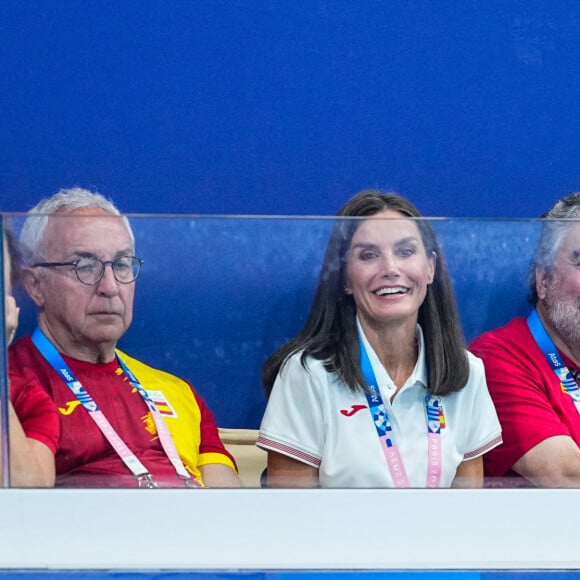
x: 65, y: 200
x: 555, y: 226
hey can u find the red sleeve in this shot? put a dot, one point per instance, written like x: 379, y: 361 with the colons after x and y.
x: 210, y: 440
x: 37, y: 413
x: 529, y: 406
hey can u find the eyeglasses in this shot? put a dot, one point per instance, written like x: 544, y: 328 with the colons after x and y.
x: 90, y: 270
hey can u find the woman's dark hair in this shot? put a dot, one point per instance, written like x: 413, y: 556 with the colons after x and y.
x: 330, y: 332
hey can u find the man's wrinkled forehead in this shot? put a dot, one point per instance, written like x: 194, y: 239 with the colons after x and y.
x: 80, y: 225
x: 88, y: 215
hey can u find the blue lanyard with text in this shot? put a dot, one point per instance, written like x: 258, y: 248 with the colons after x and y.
x: 384, y: 429
x: 141, y: 473
x: 553, y: 357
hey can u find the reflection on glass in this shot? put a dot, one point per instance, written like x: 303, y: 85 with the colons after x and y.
x: 214, y: 299
x: 25, y: 462
x: 6, y: 291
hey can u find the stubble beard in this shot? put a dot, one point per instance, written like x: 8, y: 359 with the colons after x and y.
x: 564, y: 316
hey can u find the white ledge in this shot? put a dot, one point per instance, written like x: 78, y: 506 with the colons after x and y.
x: 252, y: 529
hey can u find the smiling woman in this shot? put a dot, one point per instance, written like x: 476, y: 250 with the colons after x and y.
x: 387, y: 274
x: 378, y: 389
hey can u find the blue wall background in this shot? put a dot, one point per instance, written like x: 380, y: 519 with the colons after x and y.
x: 276, y: 107
x: 217, y: 296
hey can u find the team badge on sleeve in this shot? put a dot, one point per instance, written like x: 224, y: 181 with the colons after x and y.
x: 162, y: 404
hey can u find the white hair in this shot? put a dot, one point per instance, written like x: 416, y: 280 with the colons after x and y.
x: 65, y: 200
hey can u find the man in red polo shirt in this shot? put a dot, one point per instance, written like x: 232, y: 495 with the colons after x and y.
x: 122, y: 422
x: 532, y: 364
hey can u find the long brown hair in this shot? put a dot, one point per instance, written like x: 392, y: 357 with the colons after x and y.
x: 330, y: 333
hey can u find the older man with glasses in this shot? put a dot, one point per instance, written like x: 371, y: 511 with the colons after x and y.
x: 123, y: 423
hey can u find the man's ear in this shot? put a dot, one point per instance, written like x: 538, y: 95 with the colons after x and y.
x: 32, y: 283
x: 543, y: 278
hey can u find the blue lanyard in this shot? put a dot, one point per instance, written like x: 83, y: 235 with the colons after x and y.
x: 53, y: 357
x: 374, y: 398
x: 55, y: 360
x: 384, y: 428
x: 553, y: 357
x: 144, y: 477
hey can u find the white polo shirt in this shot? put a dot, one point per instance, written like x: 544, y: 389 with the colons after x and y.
x: 312, y: 416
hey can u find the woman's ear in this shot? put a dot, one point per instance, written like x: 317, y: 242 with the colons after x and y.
x: 346, y: 286
x: 432, y: 268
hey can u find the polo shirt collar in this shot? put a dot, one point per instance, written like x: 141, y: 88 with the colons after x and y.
x: 419, y: 374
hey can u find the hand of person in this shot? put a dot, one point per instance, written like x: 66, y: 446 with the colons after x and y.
x: 11, y: 312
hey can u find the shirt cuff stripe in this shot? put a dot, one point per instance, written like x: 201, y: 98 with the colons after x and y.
x: 484, y: 448
x: 301, y: 456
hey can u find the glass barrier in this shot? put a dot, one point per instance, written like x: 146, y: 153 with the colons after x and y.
x: 216, y: 296
x: 4, y: 408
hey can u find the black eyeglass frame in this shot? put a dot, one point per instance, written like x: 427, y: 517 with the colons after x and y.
x: 137, y: 262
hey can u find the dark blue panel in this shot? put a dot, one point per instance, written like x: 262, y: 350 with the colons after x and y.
x: 216, y: 297
x: 530, y: 575
x: 219, y: 106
